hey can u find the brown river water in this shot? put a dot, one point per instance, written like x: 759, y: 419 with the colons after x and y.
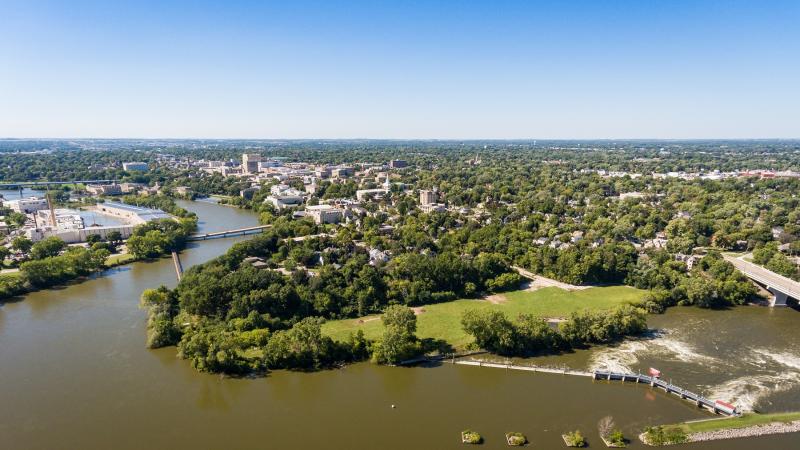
x: 74, y: 374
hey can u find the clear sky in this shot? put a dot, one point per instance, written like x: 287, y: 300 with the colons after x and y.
x: 403, y: 69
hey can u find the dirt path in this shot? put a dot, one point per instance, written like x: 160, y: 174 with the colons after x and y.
x: 538, y: 282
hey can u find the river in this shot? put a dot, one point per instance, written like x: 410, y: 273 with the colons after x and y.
x: 75, y: 375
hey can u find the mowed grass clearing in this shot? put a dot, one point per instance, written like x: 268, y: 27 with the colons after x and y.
x: 443, y: 320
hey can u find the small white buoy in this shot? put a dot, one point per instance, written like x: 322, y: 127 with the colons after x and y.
x: 393, y: 407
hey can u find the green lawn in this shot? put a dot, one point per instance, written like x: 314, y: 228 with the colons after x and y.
x: 119, y: 259
x: 745, y: 420
x: 443, y: 320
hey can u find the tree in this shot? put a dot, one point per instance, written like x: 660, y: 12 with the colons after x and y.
x: 4, y: 252
x: 491, y: 329
x: 400, y: 318
x: 22, y: 244
x: 48, y: 247
x: 114, y: 237
x: 398, y: 342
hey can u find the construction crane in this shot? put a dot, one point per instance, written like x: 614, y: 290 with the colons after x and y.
x: 52, y: 210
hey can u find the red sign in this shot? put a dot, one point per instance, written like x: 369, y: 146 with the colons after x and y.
x: 725, y: 404
x: 655, y: 373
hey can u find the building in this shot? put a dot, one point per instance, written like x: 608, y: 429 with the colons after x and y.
x: 248, y: 193
x: 66, y: 219
x: 325, y: 214
x: 432, y: 207
x: 250, y: 162
x: 268, y: 164
x: 129, y: 188
x: 104, y: 189
x: 284, y: 201
x: 132, y: 214
x: 343, y: 172
x: 183, y: 190
x: 427, y: 197
x: 364, y: 194
x: 398, y: 163
x: 26, y: 205
x: 135, y: 166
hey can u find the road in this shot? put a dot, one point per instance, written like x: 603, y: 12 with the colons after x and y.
x: 764, y: 276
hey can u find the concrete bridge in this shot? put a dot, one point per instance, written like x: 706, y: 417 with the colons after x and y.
x: 228, y: 233
x: 779, y: 286
x: 33, y: 184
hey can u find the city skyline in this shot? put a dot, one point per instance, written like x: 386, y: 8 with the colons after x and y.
x: 500, y: 70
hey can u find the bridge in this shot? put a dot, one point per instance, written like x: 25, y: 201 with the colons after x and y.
x: 32, y: 184
x: 779, y: 286
x: 228, y: 233
x: 176, y: 261
x: 717, y: 407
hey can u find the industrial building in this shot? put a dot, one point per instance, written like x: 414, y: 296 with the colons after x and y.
x: 132, y: 214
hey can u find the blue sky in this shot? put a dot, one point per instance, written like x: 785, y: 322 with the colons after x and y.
x: 404, y: 69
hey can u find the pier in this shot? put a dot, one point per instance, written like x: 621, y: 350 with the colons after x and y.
x: 228, y: 233
x: 552, y: 370
x: 717, y: 407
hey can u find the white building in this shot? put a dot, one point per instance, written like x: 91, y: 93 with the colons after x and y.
x: 135, y: 166
x: 26, y: 205
x: 132, y: 214
x: 325, y: 214
x: 432, y: 207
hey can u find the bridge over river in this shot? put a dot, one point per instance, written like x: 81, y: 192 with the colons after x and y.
x: 779, y: 286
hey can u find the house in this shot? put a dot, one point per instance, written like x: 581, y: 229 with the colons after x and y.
x: 377, y: 256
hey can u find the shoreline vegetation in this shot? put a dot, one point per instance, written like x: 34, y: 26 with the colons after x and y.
x: 747, y: 425
x: 52, y: 263
x: 259, y: 308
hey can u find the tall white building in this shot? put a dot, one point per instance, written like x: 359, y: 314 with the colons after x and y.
x: 427, y: 197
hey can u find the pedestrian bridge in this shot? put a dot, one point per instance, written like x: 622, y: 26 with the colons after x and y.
x: 779, y: 286
x: 228, y: 233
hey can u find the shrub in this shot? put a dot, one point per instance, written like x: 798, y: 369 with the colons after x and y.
x: 471, y: 437
x: 575, y: 439
x: 616, y: 438
x: 516, y: 439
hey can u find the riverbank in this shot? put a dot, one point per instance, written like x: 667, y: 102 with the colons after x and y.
x: 747, y: 425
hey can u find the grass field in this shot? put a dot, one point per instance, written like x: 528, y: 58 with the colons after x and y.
x: 443, y: 320
x: 746, y: 420
x: 119, y: 259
